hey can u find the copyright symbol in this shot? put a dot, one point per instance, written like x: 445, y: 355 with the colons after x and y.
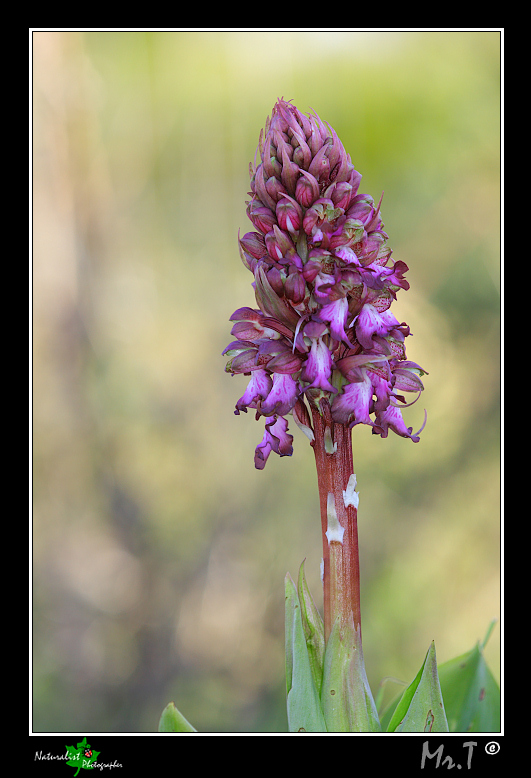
x: 492, y: 747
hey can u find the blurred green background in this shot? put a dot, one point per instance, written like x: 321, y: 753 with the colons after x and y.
x: 159, y: 551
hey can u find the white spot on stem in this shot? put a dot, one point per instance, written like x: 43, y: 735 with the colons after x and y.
x: 334, y: 530
x: 330, y: 446
x: 350, y: 495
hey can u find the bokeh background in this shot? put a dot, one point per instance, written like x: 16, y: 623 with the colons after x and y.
x: 159, y: 551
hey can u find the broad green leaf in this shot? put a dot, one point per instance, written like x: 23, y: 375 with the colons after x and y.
x: 313, y: 627
x: 172, y: 720
x: 421, y: 707
x: 346, y: 697
x: 304, y: 707
x: 471, y: 694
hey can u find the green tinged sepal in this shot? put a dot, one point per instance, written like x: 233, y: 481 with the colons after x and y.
x: 303, y: 704
x: 346, y: 697
x: 172, y: 720
x: 471, y: 694
x: 421, y: 708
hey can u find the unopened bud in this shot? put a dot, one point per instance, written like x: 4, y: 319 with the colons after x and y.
x: 289, y: 215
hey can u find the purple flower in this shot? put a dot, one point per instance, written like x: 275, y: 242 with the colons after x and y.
x: 282, y: 396
x: 258, y: 389
x: 353, y: 405
x: 371, y: 322
x: 324, y: 281
x: 276, y: 438
x: 318, y: 366
x: 347, y: 254
x: 337, y: 313
x: 383, y: 389
x: 392, y: 418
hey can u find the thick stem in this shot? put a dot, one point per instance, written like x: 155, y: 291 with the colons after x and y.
x: 341, y: 579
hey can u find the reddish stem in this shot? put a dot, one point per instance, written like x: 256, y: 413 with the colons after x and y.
x: 341, y: 579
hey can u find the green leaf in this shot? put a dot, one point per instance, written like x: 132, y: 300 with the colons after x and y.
x: 471, y: 694
x: 346, y: 697
x: 313, y: 627
x: 172, y: 720
x: 304, y: 707
x: 421, y: 707
x: 82, y: 756
x: 385, y: 712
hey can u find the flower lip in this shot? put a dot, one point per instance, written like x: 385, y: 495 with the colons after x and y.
x: 258, y: 388
x: 352, y: 406
x: 318, y: 367
x: 371, y: 322
x: 336, y: 313
x: 282, y: 396
x: 276, y: 438
x: 392, y: 418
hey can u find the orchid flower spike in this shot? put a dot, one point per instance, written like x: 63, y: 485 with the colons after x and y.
x: 324, y: 282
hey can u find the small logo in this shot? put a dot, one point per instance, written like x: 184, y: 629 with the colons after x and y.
x: 492, y: 747
x: 82, y: 756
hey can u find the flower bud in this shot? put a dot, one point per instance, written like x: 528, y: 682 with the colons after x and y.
x: 260, y: 189
x: 340, y: 193
x: 320, y: 166
x: 254, y: 244
x: 302, y: 156
x: 275, y: 188
x: 362, y: 208
x: 272, y: 167
x: 279, y: 245
x: 295, y: 288
x: 275, y: 276
x: 306, y: 189
x: 289, y: 215
x: 261, y: 216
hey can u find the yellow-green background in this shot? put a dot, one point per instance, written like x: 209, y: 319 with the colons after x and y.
x: 159, y: 551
